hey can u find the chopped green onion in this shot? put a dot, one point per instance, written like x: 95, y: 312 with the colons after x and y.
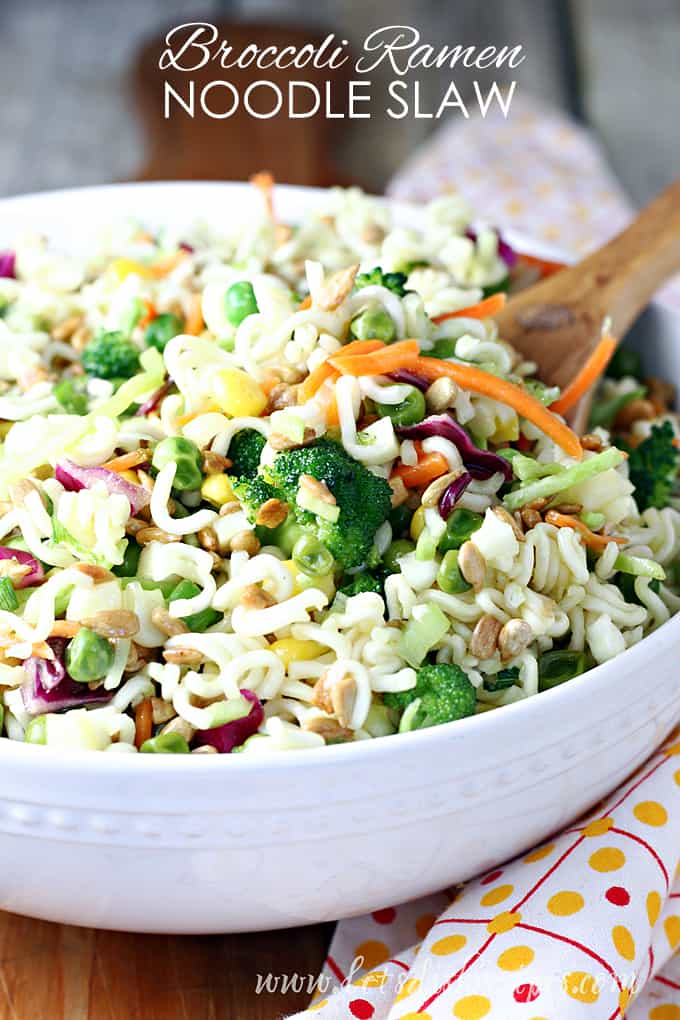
x: 555, y: 668
x: 308, y: 501
x: 543, y: 487
x: 8, y: 597
x: 502, y: 680
x: 426, y: 546
x: 408, y: 718
x: 526, y: 468
x: 165, y: 743
x: 593, y: 519
x: 36, y: 731
x: 460, y: 525
x: 604, y: 412
x: 424, y: 630
x: 640, y: 566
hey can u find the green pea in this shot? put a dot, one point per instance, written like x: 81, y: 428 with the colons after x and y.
x: 165, y: 743
x: 400, y: 519
x: 449, y: 577
x: 409, y: 411
x: 36, y: 731
x: 186, y: 455
x: 89, y: 656
x: 460, y: 525
x: 70, y: 395
x: 373, y: 324
x: 240, y: 302
x: 196, y: 622
x: 311, y: 557
x: 163, y: 328
x: 400, y: 547
x: 555, y: 668
x: 128, y: 568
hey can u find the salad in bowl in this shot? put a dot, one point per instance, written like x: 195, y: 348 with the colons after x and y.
x: 285, y: 486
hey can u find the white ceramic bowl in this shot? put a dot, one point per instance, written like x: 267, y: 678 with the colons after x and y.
x: 218, y: 844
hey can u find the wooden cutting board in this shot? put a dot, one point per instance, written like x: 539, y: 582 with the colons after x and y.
x: 54, y: 972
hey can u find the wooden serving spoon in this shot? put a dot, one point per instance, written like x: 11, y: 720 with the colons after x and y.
x: 558, y: 322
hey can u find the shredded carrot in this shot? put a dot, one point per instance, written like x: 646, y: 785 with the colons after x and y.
x: 429, y: 467
x: 194, y: 324
x: 127, y: 460
x: 478, y: 381
x: 184, y: 419
x: 587, y: 377
x: 65, y: 628
x: 325, y: 370
x: 589, y: 537
x: 387, y: 359
x: 149, y: 315
x: 165, y: 266
x: 547, y: 267
x: 329, y: 404
x: 482, y: 310
x: 143, y: 722
x: 264, y: 182
x: 305, y: 303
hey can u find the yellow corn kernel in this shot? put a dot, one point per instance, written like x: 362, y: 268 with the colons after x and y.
x: 417, y: 523
x: 129, y: 476
x: 123, y: 268
x: 217, y: 489
x: 294, y: 650
x: 237, y: 394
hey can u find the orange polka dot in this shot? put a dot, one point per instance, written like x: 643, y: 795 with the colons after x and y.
x: 516, y: 958
x: 653, y: 907
x: 581, y: 986
x: 608, y: 858
x: 448, y: 945
x: 371, y: 954
x: 496, y: 895
x: 624, y: 999
x: 424, y: 923
x: 471, y: 1007
x: 506, y: 921
x: 650, y: 812
x: 374, y: 979
x: 416, y: 1016
x: 623, y: 942
x: 676, y: 777
x: 538, y: 855
x: 672, y: 928
x: 598, y: 827
x: 409, y: 986
x: 673, y: 750
x: 563, y: 904
x: 667, y: 1011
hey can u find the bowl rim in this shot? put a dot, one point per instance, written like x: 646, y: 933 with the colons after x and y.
x: 547, y: 702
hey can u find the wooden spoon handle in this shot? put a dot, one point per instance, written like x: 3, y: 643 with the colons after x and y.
x: 629, y: 269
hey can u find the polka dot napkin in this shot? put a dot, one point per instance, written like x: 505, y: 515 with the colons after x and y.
x: 585, y: 927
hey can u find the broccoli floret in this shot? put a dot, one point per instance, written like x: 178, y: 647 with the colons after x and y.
x: 393, y: 281
x: 252, y: 493
x: 443, y: 693
x: 110, y: 356
x: 653, y: 467
x: 245, y: 450
x: 361, y: 583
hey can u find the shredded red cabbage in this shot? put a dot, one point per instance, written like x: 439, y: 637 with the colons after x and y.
x: 233, y: 734
x: 8, y: 262
x: 36, y: 574
x: 480, y: 463
x: 49, y: 688
x: 402, y: 375
x: 154, y: 400
x: 452, y: 493
x: 74, y: 478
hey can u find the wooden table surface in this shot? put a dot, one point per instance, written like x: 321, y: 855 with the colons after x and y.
x: 54, y: 972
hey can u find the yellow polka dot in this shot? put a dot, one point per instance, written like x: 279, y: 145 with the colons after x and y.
x: 371, y: 954
x: 623, y: 942
x: 471, y: 1007
x: 506, y: 921
x: 409, y: 986
x: 416, y: 1016
x: 318, y: 1005
x: 538, y: 855
x: 516, y: 958
x: 375, y: 979
x: 673, y: 750
x: 672, y: 928
x: 608, y: 858
x: 448, y: 945
x: 496, y: 895
x: 676, y: 777
x: 653, y: 907
x: 563, y: 904
x: 581, y: 986
x: 598, y: 827
x: 424, y: 923
x: 665, y: 1012
x: 650, y: 812
x: 624, y: 999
